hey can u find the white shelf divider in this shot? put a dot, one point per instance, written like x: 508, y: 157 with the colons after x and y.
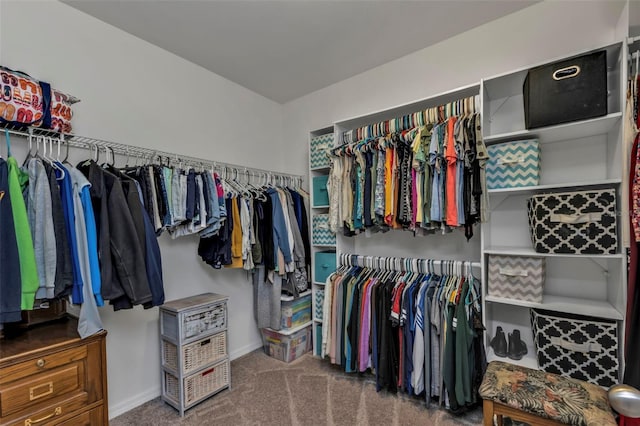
x: 524, y: 190
x: 574, y: 130
x: 530, y: 252
x: 573, y: 305
x: 529, y: 360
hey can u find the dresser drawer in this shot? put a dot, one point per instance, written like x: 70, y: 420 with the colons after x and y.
x: 42, y: 363
x: 42, y: 381
x: 48, y: 414
x: 49, y: 376
x: 92, y: 417
x: 40, y: 388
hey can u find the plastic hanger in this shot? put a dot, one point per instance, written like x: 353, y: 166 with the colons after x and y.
x: 7, y: 140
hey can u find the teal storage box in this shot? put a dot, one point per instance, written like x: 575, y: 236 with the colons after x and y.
x: 325, y: 264
x: 513, y: 164
x: 320, y: 193
x: 320, y: 149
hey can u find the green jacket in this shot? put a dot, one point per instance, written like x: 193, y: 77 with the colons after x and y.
x: 28, y: 267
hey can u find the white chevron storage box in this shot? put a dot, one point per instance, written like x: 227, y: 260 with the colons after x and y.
x: 320, y: 147
x: 513, y: 164
x: 516, y: 277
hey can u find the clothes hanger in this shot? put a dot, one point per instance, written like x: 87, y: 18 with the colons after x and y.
x: 7, y: 140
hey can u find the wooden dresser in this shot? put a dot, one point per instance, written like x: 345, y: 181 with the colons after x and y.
x: 49, y: 376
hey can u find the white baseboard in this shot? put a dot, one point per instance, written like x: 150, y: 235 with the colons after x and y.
x: 245, y: 350
x: 131, y: 403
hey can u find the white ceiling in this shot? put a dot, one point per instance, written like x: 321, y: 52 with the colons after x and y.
x: 287, y: 49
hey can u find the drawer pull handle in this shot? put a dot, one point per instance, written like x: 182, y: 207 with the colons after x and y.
x: 32, y: 391
x: 30, y: 422
x: 40, y: 363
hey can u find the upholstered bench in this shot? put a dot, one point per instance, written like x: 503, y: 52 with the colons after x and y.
x: 540, y: 398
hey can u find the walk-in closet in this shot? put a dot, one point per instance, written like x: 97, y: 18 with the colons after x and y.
x: 320, y: 213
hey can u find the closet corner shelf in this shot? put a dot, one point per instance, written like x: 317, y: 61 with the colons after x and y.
x: 527, y: 190
x: 290, y: 331
x: 574, y: 130
x: 324, y: 245
x: 319, y: 283
x: 528, y: 251
x: 284, y: 298
x: 573, y: 305
x: 320, y: 169
x: 317, y: 320
x: 529, y: 360
x: 321, y: 206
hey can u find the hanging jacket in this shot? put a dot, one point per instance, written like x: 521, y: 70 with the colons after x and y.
x: 63, y: 281
x: 28, y: 268
x: 127, y: 255
x: 111, y: 288
x: 153, y: 258
x: 41, y: 223
x: 66, y: 193
x: 10, y: 279
x: 86, y: 235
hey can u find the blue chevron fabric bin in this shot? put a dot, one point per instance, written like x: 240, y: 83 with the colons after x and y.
x: 513, y: 164
x: 516, y: 277
x: 321, y: 235
x: 320, y: 148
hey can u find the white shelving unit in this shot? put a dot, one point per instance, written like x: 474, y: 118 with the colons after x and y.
x: 579, y: 155
x: 319, y: 167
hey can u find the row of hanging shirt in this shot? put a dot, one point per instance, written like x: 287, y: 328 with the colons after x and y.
x: 74, y: 231
x: 226, y: 213
x: 419, y: 332
x: 263, y: 226
x: 427, y: 178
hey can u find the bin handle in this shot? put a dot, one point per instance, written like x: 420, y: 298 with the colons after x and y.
x: 513, y: 273
x: 511, y: 159
x: 576, y: 347
x: 567, y: 72
x: 576, y: 218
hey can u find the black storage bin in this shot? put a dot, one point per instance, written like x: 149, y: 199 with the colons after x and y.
x: 577, y: 346
x: 569, y: 90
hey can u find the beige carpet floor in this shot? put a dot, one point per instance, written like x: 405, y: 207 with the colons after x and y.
x: 307, y: 391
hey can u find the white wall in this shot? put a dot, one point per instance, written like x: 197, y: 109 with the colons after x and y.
x: 136, y: 93
x: 533, y: 35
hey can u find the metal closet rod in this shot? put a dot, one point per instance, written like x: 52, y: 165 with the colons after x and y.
x: 391, y: 263
x: 148, y: 154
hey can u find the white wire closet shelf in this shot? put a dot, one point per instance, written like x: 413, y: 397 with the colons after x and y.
x: 83, y: 142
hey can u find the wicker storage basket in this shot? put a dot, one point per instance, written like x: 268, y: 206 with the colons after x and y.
x: 196, y: 354
x: 198, y: 386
